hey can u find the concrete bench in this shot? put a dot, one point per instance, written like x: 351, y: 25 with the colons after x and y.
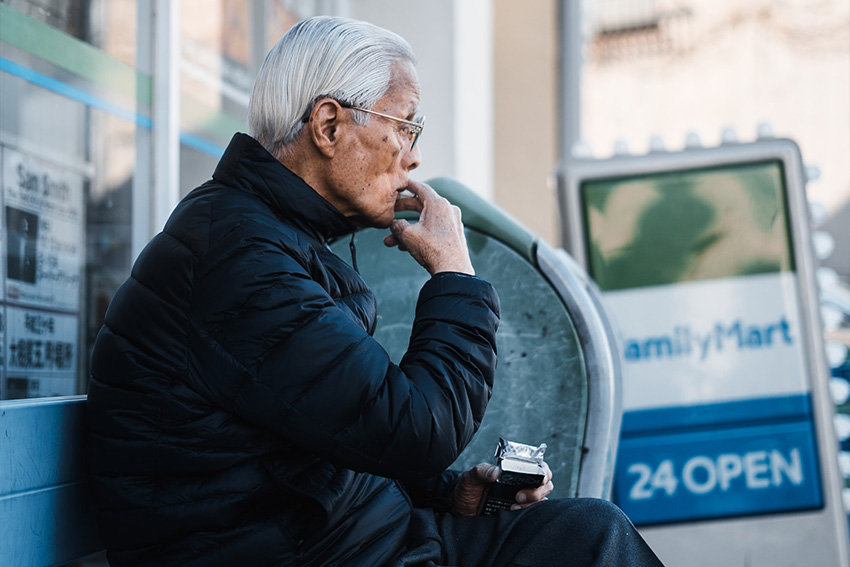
x: 46, y: 517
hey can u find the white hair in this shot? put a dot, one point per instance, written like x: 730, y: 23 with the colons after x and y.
x: 348, y: 60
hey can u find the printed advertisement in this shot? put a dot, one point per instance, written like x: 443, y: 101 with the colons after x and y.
x: 43, y: 248
x: 42, y: 261
x: 697, y: 268
x: 706, y: 367
x: 767, y: 463
x: 710, y: 341
x: 41, y: 353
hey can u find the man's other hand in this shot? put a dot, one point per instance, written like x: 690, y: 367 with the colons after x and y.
x: 466, y: 498
x: 467, y: 495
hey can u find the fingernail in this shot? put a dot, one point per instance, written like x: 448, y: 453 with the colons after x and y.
x: 521, y: 498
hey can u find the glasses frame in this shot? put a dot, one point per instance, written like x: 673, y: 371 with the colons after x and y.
x: 416, y: 127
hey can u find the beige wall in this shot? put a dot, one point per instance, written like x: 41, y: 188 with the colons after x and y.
x: 726, y: 63
x: 733, y: 64
x: 525, y: 117
x: 712, y: 64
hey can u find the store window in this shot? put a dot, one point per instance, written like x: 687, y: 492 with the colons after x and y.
x: 76, y: 157
x: 222, y: 45
x: 67, y: 158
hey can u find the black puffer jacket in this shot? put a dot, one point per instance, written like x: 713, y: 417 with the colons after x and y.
x: 240, y: 412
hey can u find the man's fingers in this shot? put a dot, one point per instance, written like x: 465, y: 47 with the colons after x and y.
x: 390, y: 240
x: 408, y: 204
x: 421, y: 190
x: 543, y: 491
x: 488, y: 473
x: 397, y: 227
x: 437, y: 240
x: 483, y: 473
x: 422, y: 194
x: 532, y: 495
x: 548, y: 472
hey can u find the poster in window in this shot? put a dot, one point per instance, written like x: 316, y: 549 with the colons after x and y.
x: 41, y: 353
x: 43, y: 224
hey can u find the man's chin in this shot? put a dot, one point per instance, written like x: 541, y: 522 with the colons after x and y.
x: 385, y: 220
x: 388, y: 223
x: 363, y: 222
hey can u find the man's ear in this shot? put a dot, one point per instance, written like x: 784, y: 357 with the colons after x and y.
x: 324, y: 125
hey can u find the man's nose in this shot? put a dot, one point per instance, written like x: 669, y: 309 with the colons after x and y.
x: 412, y: 158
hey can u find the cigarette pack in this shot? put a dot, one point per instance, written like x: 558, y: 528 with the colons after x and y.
x: 522, y: 467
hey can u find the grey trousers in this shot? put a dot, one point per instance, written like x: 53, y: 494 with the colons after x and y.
x: 564, y: 533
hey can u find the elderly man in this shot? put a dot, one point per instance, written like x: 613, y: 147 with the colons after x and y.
x: 240, y: 411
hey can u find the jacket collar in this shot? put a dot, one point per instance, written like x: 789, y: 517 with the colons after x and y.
x: 248, y: 166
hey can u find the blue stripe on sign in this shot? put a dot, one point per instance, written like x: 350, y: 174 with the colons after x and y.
x: 73, y: 93
x: 201, y: 145
x: 782, y: 409
x: 93, y: 101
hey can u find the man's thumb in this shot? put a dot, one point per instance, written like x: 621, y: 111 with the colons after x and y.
x: 398, y: 226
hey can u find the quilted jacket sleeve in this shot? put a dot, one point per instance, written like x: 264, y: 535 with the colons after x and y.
x: 434, y: 492
x: 273, y: 347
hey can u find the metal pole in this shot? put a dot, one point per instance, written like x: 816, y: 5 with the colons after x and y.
x: 570, y: 75
x: 143, y: 172
x: 166, y: 111
x: 571, y: 44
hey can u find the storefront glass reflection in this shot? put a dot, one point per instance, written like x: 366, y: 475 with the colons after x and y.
x: 76, y: 82
x: 66, y: 166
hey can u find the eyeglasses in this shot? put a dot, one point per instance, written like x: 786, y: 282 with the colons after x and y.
x: 412, y: 129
